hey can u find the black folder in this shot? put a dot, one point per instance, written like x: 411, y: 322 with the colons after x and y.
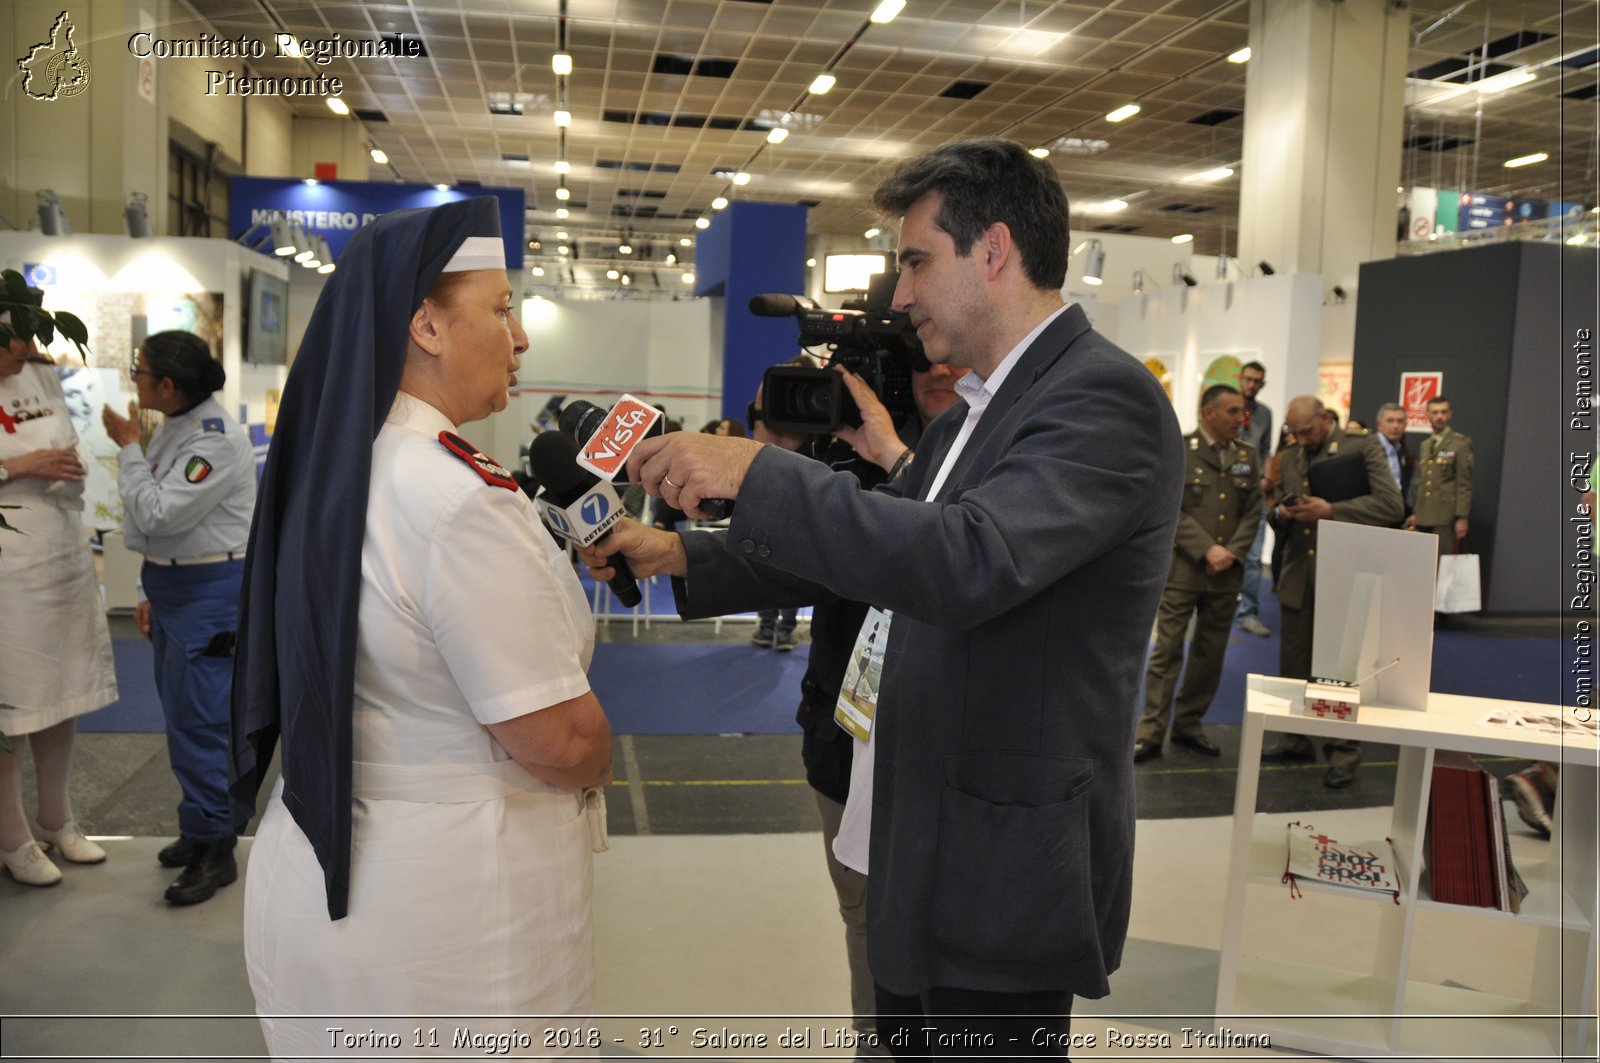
x: 1339, y: 479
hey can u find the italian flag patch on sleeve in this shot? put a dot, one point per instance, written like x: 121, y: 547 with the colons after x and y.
x: 197, y: 469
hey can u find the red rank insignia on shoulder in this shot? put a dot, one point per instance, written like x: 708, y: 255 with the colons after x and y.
x: 493, y: 474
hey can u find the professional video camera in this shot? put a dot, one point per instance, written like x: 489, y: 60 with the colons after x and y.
x: 866, y: 337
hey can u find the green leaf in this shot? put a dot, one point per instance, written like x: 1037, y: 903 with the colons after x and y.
x: 16, y: 287
x: 72, y: 327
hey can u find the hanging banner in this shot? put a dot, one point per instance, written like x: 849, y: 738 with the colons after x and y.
x: 334, y: 210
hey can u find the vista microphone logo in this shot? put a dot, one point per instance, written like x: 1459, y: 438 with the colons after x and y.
x: 55, y: 68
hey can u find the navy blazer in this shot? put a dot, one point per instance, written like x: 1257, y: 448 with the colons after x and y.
x: 1003, y: 803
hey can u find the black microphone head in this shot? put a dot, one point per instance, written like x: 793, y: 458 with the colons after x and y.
x: 554, y: 459
x: 580, y: 420
x: 774, y: 305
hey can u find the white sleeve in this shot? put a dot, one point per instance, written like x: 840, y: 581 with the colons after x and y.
x: 185, y: 495
x: 496, y: 609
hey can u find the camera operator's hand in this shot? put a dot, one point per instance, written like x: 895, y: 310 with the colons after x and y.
x: 876, y: 440
x: 685, y: 467
x: 650, y: 552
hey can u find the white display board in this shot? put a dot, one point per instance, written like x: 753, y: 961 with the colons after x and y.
x: 1375, y: 603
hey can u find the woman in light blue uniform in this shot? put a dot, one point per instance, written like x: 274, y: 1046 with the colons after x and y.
x: 187, y: 503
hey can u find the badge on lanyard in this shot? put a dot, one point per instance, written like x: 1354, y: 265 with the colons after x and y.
x: 858, y: 697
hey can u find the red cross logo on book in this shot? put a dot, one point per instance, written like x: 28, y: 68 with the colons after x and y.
x: 8, y: 422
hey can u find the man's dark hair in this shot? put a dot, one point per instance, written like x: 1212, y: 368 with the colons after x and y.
x: 1257, y: 366
x: 1437, y: 399
x: 1215, y: 392
x: 985, y: 181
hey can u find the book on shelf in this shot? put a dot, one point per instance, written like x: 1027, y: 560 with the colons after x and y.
x: 1466, y: 846
x: 1366, y: 865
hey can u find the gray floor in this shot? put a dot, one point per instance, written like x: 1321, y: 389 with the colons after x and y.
x: 713, y: 902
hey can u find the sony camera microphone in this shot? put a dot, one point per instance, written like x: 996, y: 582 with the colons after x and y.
x: 606, y: 437
x: 579, y: 506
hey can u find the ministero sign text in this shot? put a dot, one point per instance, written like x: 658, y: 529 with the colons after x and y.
x: 320, y: 52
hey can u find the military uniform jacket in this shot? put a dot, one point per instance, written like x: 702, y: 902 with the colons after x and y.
x: 1382, y: 508
x: 1443, y: 480
x: 1221, y: 507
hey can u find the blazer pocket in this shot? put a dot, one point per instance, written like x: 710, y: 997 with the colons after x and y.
x: 1011, y: 875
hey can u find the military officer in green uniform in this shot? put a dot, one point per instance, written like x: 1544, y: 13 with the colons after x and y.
x: 1216, y: 528
x: 1317, y: 439
x: 1443, y: 481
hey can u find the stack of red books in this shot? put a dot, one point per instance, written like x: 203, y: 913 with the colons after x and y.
x: 1467, y: 847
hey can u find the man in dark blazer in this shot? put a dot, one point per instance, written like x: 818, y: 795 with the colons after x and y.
x: 1022, y: 555
x: 1391, y: 432
x: 1296, y: 518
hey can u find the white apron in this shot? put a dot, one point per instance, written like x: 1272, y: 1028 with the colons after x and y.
x: 55, y: 648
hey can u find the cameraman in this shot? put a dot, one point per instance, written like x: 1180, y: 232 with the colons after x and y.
x: 867, y: 452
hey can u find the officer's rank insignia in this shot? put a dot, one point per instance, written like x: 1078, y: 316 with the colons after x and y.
x: 212, y: 424
x: 493, y: 473
x: 196, y: 470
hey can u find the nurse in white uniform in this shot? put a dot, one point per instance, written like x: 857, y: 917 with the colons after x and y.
x: 55, y: 649
x: 478, y: 748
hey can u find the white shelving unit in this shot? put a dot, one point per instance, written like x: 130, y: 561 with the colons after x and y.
x: 1378, y: 1011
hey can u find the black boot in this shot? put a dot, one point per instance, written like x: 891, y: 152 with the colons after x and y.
x: 178, y: 853
x: 210, y: 868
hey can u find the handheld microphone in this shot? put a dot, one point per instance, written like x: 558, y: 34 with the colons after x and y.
x: 579, y: 506
x: 606, y: 438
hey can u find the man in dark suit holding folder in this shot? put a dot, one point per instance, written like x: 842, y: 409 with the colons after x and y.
x: 1328, y: 474
x: 1022, y: 553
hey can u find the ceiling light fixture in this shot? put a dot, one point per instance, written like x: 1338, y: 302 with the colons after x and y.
x: 1111, y: 206
x: 886, y: 11
x: 1218, y: 174
x: 823, y: 84
x: 1183, y: 276
x: 1526, y: 160
x: 777, y: 135
x: 741, y: 178
x: 1123, y: 113
x: 870, y: 233
x: 672, y: 258
x: 612, y: 274
x: 338, y: 106
x: 563, y: 250
x: 1094, y: 263
x: 684, y: 241
x: 441, y: 187
x: 563, y: 166
x: 1039, y: 153
x: 563, y: 213
x: 563, y: 118
x: 561, y: 63
x: 719, y: 202
x: 1578, y: 239
x: 380, y: 156
x: 1241, y: 56
x: 1509, y: 80
x: 702, y: 223
x: 688, y: 278
x: 627, y: 278
x: 562, y: 235
x: 624, y: 249
x: 563, y: 193
x: 1183, y: 238
x: 537, y: 271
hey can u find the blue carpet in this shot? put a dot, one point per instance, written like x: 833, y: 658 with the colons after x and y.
x: 137, y: 710
x: 734, y: 688
x: 695, y: 688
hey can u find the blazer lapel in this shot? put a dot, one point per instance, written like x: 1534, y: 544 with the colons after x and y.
x: 1041, y: 354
